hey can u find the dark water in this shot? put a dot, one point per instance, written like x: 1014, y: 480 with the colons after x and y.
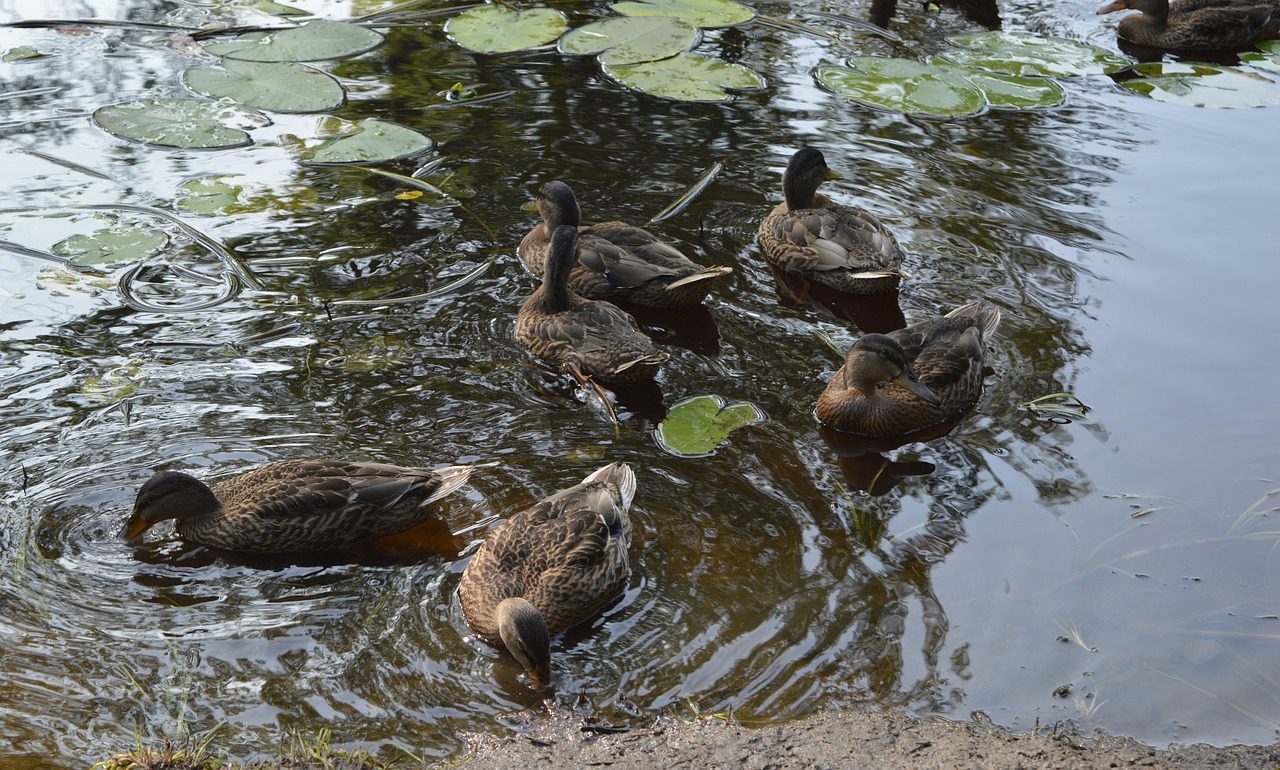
x: 1128, y: 243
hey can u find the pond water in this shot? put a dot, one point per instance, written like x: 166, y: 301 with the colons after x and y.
x: 1102, y: 570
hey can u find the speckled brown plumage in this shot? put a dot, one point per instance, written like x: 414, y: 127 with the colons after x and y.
x: 844, y: 247
x: 295, y: 505
x: 946, y: 354
x: 1197, y: 25
x: 567, y: 330
x: 617, y: 262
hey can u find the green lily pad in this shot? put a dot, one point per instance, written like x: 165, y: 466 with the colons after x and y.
x: 186, y: 123
x: 224, y: 194
x: 1020, y: 53
x: 268, y: 86
x: 496, y: 29
x: 1013, y: 92
x: 631, y: 39
x: 313, y: 41
x: 699, y: 13
x: 20, y: 53
x: 696, y: 426
x: 1268, y: 58
x: 276, y: 9
x: 117, y: 245
x: 905, y: 85
x: 1203, y: 85
x: 686, y: 78
x: 370, y: 141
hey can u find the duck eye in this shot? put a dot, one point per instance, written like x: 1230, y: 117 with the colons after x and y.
x: 884, y: 353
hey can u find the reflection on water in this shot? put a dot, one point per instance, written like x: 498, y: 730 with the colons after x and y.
x: 781, y: 574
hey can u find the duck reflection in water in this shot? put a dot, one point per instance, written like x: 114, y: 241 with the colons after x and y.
x: 870, y: 313
x: 692, y: 328
x: 982, y: 12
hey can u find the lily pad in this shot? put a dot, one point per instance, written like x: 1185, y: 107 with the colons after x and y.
x: 1020, y: 53
x: 631, y: 39
x: 371, y: 141
x: 223, y: 194
x: 497, y: 29
x: 1203, y: 85
x: 1268, y: 58
x: 696, y: 426
x: 268, y: 86
x: 699, y: 13
x: 686, y: 78
x: 20, y: 53
x: 277, y: 9
x: 111, y: 246
x: 313, y: 41
x: 905, y: 85
x: 1017, y: 93
x: 186, y: 123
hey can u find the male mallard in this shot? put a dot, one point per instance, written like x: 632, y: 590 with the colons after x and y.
x: 897, y: 383
x: 616, y: 261
x: 844, y: 247
x: 1197, y: 25
x: 550, y: 567
x: 575, y: 333
x: 295, y: 505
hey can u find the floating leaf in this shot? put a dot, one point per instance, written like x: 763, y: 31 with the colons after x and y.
x: 686, y: 78
x: 496, y: 29
x: 373, y: 141
x: 904, y: 85
x: 20, y: 53
x: 313, y: 41
x: 696, y: 426
x: 699, y: 13
x: 1268, y: 59
x: 1020, y: 53
x: 276, y: 9
x: 187, y: 123
x: 1017, y: 93
x: 223, y: 194
x: 115, y: 384
x: 268, y: 86
x: 116, y: 245
x: 631, y: 39
x: 1203, y: 85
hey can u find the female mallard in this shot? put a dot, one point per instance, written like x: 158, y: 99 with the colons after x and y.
x: 897, y: 383
x: 844, y: 247
x: 550, y: 567
x: 616, y: 261
x: 1197, y: 25
x: 295, y: 505
x: 577, y: 334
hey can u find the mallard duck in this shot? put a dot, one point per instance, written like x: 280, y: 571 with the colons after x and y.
x: 594, y: 338
x: 1197, y: 25
x: 617, y: 262
x: 550, y: 567
x: 844, y: 247
x: 893, y: 384
x: 295, y: 505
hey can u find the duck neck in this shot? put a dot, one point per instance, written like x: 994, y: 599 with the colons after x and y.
x: 556, y: 295
x: 799, y: 194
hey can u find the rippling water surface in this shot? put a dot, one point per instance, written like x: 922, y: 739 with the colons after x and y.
x: 1098, y: 570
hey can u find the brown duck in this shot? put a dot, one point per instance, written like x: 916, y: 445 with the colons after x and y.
x: 898, y: 383
x: 551, y: 567
x: 844, y: 247
x: 617, y: 262
x: 1197, y: 25
x: 580, y: 335
x: 295, y: 505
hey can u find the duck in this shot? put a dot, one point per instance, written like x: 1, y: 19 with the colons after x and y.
x: 895, y: 384
x: 549, y: 568
x: 294, y: 506
x: 844, y: 247
x: 1197, y: 25
x: 585, y: 337
x: 617, y: 262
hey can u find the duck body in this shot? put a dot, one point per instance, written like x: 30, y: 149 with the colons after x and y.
x: 844, y: 247
x: 1197, y: 25
x: 877, y: 391
x: 295, y: 505
x: 551, y: 567
x: 597, y: 338
x: 617, y: 262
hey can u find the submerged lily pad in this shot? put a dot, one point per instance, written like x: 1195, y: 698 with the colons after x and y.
x: 904, y: 85
x: 223, y: 194
x: 696, y: 426
x: 631, y: 39
x: 370, y: 141
x: 1203, y: 85
x: 313, y: 41
x: 1017, y: 93
x: 1267, y: 58
x: 686, y: 78
x: 268, y: 86
x: 1020, y: 53
x: 186, y: 123
x: 117, y: 245
x: 496, y: 29
x: 699, y: 13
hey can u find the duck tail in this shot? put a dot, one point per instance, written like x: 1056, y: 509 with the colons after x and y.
x: 702, y: 275
x: 619, y: 475
x: 985, y: 315
x: 450, y: 479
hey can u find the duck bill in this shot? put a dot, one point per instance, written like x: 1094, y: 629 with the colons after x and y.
x: 1115, y: 5
x: 909, y: 381
x: 134, y: 528
x: 832, y: 175
x: 542, y: 681
x: 529, y: 206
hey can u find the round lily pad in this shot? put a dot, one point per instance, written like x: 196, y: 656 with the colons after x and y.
x: 1203, y: 85
x: 371, y: 141
x: 631, y: 39
x: 686, y: 78
x: 696, y: 426
x: 904, y: 85
x: 268, y: 86
x: 496, y: 29
x: 312, y: 41
x: 110, y: 246
x: 699, y: 13
x: 1012, y: 92
x: 186, y: 123
x: 1020, y: 53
